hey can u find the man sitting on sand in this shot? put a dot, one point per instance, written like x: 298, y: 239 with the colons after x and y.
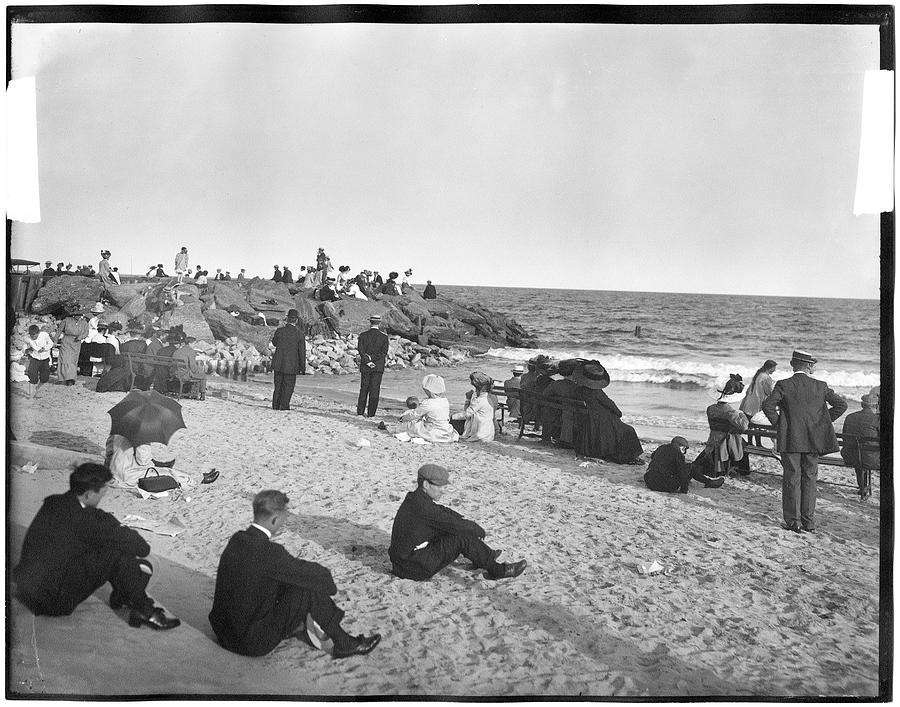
x: 426, y: 537
x: 670, y: 472
x: 72, y: 548
x: 264, y: 594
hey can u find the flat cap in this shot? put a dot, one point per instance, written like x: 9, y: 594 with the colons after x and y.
x: 437, y: 475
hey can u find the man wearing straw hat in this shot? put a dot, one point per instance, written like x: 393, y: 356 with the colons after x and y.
x: 804, y: 410
x: 512, y: 401
x: 373, y: 350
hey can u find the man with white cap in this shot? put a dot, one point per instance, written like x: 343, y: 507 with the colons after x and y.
x: 426, y: 537
x: 514, y: 383
x: 373, y: 350
x: 804, y: 410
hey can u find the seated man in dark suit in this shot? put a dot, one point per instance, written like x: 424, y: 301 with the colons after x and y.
x: 161, y: 373
x: 72, y: 548
x: 865, y: 423
x: 264, y: 594
x: 426, y: 537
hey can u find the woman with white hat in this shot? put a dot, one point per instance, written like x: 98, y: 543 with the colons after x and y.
x: 479, y: 413
x: 725, y: 446
x: 431, y: 419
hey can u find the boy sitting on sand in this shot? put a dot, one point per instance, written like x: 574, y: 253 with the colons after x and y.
x: 426, y: 537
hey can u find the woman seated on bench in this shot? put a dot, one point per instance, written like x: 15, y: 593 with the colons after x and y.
x: 605, y: 435
x: 431, y: 418
x: 194, y: 371
x: 725, y: 446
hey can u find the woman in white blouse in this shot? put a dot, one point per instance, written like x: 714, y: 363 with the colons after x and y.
x: 479, y: 413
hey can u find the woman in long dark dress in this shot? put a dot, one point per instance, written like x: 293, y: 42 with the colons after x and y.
x: 605, y: 435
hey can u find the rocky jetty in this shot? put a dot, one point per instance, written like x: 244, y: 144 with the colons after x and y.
x: 232, y: 322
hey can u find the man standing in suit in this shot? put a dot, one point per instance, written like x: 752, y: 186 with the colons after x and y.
x: 72, y: 548
x: 264, y: 594
x: 373, y: 350
x: 426, y: 536
x: 289, y: 360
x: 803, y: 409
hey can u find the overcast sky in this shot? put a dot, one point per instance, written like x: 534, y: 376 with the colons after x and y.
x: 717, y: 158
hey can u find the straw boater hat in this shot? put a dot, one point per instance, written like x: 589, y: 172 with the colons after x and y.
x: 97, y: 308
x: 518, y: 368
x: 803, y: 357
x: 591, y: 374
x: 375, y: 319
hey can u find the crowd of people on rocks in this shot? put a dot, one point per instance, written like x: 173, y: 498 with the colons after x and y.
x: 328, y: 284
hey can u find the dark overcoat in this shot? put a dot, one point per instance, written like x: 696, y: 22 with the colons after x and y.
x: 290, y: 350
x: 804, y: 409
x: 373, y: 347
x: 252, y: 573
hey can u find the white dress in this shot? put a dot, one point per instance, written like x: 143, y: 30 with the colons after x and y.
x: 479, y: 418
x: 128, y: 463
x: 431, y: 421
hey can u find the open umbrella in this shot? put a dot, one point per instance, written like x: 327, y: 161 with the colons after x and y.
x: 143, y: 417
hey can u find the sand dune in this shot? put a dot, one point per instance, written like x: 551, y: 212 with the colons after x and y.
x: 744, y: 608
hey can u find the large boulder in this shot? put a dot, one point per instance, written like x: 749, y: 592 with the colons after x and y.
x: 63, y: 290
x: 119, y: 295
x: 225, y: 325
x: 462, y: 340
x: 269, y: 297
x: 351, y: 316
x: 310, y: 316
x: 415, y: 310
x: 230, y: 296
x: 190, y: 318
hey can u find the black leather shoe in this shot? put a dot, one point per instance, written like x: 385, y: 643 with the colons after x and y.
x: 715, y: 483
x: 361, y: 646
x: 793, y: 527
x: 156, y: 619
x: 507, y: 570
x: 210, y: 476
x: 116, y: 600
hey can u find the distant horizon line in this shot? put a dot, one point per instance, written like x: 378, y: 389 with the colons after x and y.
x: 560, y: 289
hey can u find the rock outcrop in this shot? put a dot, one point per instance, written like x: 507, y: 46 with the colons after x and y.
x: 245, y: 313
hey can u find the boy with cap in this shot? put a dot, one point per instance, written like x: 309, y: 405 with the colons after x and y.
x: 668, y: 470
x: 426, y: 537
x: 804, y: 410
x: 289, y: 360
x: 373, y: 350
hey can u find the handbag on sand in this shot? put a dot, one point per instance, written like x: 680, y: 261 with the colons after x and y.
x: 158, y: 483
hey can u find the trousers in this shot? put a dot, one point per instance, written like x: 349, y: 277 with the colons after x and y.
x: 369, y: 390
x: 127, y: 574
x: 442, y: 551
x: 289, y: 614
x: 798, y: 487
x: 284, y: 389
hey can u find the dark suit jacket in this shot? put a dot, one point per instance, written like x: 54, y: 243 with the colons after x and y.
x: 373, y: 347
x: 290, y: 350
x: 252, y: 572
x: 420, y: 519
x: 862, y: 423
x: 63, y: 533
x: 803, y: 409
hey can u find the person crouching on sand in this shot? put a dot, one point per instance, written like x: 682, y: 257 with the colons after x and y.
x: 426, y: 537
x: 670, y: 472
x: 265, y: 595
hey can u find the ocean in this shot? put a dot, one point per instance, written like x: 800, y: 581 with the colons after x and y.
x: 666, y: 377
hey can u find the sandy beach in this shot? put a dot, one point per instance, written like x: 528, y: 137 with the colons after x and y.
x: 743, y: 608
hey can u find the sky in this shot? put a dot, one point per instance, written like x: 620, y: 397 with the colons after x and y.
x: 679, y: 158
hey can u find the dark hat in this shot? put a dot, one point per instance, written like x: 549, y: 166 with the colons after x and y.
x: 591, y: 374
x: 679, y: 442
x: 437, y: 475
x: 802, y: 357
x: 568, y: 366
x: 293, y: 314
x: 540, y: 360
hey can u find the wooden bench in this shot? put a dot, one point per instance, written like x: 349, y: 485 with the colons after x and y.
x: 866, y: 444
x: 577, y: 407
x: 178, y: 368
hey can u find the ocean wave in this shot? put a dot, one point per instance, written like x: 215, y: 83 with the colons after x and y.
x: 683, y: 372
